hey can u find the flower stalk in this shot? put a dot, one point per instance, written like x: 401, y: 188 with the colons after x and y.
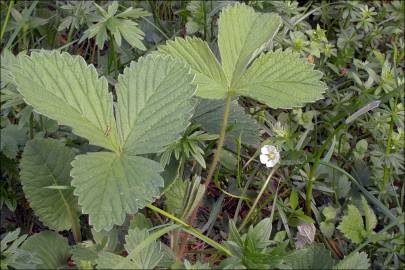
x: 263, y: 189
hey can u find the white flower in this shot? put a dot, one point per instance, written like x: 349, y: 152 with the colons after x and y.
x: 270, y: 156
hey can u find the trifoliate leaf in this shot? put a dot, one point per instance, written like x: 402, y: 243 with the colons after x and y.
x: 210, y: 77
x: 63, y: 87
x: 281, y: 80
x: 46, y: 163
x: 154, y: 104
x: 109, y: 186
x: 371, y: 220
x: 315, y: 256
x: 354, y: 261
x: 352, y: 225
x: 51, y: 248
x: 242, y: 35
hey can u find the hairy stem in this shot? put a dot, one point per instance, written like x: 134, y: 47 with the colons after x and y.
x: 263, y: 189
x: 190, y: 229
x: 213, y: 164
x: 221, y: 141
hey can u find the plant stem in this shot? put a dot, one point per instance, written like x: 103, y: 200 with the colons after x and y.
x: 77, y: 235
x: 191, y: 229
x: 253, y: 208
x: 3, y: 29
x: 311, y: 178
x: 388, y: 149
x: 214, y: 163
x: 221, y: 140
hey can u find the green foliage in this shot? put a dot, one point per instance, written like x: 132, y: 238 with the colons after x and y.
x: 140, y: 127
x: 45, y: 177
x: 209, y: 113
x: 238, y: 74
x: 112, y: 25
x: 51, y: 248
x: 354, y: 261
x: 312, y: 257
x: 11, y: 253
x: 353, y: 226
x: 83, y: 129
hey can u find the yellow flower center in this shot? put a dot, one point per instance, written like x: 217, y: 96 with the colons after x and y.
x: 271, y: 156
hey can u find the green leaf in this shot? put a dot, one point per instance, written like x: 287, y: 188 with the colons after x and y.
x: 242, y: 35
x: 294, y: 199
x: 210, y: 77
x: 109, y: 186
x: 63, y: 87
x: 354, y: 261
x: 175, y: 196
x: 209, y: 114
x: 329, y: 212
x: 281, y: 80
x: 154, y: 107
x: 108, y: 260
x: 11, y: 137
x: 327, y: 228
x: 150, y: 255
x: 51, y: 248
x: 312, y: 257
x: 84, y: 255
x: 144, y: 251
x: 352, y: 225
x: 140, y: 221
x: 371, y: 220
x: 154, y: 104
x: 46, y: 162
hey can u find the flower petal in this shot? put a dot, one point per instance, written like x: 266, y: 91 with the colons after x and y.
x: 276, y: 157
x: 264, y: 159
x: 270, y: 163
x: 265, y: 149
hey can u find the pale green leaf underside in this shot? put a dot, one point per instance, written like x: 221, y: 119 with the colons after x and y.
x: 149, y: 256
x: 109, y: 186
x: 51, y: 248
x: 108, y: 260
x: 281, y: 80
x: 154, y: 104
x: 65, y: 88
x: 154, y: 107
x: 146, y: 258
x: 210, y: 77
x: 242, y: 34
x: 46, y: 162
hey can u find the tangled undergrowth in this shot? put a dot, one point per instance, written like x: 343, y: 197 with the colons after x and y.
x: 202, y: 134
